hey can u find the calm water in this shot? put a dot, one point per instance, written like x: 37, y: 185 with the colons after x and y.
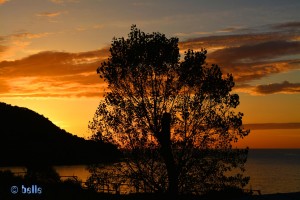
x: 274, y: 171
x: 271, y: 170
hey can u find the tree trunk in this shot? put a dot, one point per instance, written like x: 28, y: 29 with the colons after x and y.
x: 167, y: 154
x: 171, y: 170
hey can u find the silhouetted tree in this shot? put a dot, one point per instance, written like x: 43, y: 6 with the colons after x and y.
x: 173, y: 118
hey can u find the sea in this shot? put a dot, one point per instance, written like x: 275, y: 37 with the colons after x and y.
x: 271, y: 170
x: 274, y: 170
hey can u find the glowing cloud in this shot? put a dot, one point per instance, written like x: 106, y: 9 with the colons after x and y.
x: 17, y: 42
x: 64, y: 1
x: 53, y: 74
x: 3, y: 1
x: 49, y: 14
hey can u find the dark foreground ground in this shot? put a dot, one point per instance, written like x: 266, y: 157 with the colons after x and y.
x: 66, y: 195
x: 45, y: 184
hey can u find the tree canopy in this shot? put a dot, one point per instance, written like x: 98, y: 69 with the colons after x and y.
x: 173, y: 117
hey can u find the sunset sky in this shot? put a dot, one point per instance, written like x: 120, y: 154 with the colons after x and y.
x: 50, y: 50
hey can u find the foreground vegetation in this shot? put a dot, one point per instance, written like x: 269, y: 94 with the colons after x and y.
x: 52, y: 187
x: 55, y: 188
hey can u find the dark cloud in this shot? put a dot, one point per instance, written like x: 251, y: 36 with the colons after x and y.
x: 288, y: 25
x: 250, y: 62
x: 272, y: 126
x: 284, y: 87
x: 244, y: 72
x: 252, y: 55
x: 234, y: 40
x: 288, y: 31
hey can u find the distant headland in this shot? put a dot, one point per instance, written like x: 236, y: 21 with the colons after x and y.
x: 27, y: 138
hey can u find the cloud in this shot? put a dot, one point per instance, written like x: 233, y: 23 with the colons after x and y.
x: 64, y: 1
x: 48, y: 14
x: 272, y: 126
x: 26, y: 35
x: 3, y: 1
x: 289, y: 25
x: 52, y: 63
x: 53, y: 74
x: 252, y: 55
x: 250, y: 62
x: 52, y: 87
x: 3, y: 49
x: 57, y: 1
x: 284, y: 87
x: 4, y: 88
x: 248, y: 56
x: 182, y: 34
x: 256, y: 52
x: 231, y: 29
x: 236, y: 40
x: 51, y: 16
x: 17, y: 42
x: 91, y: 27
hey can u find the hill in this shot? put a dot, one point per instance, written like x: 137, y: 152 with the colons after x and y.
x: 27, y: 137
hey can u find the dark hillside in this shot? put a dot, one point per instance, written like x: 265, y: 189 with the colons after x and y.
x: 27, y: 137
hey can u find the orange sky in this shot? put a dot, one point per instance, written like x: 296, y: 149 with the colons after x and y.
x: 50, y: 50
